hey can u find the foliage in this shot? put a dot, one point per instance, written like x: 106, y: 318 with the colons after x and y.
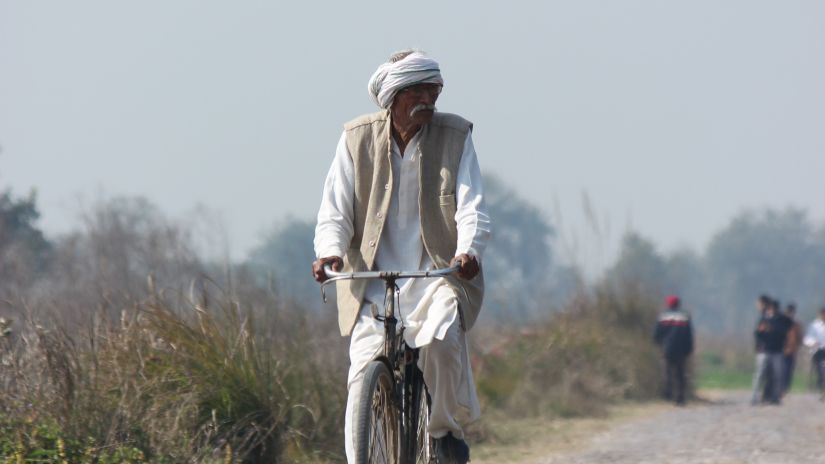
x: 44, y: 441
x: 123, y: 240
x: 17, y: 223
x: 594, y: 352
x: 639, y: 265
x: 192, y: 371
x: 234, y: 368
x: 519, y: 260
x: 283, y: 259
x: 775, y: 252
x: 174, y: 385
x: 24, y: 250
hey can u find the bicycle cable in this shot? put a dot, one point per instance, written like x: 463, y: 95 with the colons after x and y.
x: 398, y: 305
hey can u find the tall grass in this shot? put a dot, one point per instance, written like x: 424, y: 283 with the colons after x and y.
x: 99, y: 365
x: 212, y: 375
x: 206, y: 382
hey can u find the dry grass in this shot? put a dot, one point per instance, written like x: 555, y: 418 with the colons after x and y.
x: 594, y: 353
x: 203, y: 382
x: 99, y: 365
x: 219, y: 376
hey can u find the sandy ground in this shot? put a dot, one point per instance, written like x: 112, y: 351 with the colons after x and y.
x: 723, y: 429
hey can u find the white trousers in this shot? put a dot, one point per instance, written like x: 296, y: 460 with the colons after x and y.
x: 445, y: 364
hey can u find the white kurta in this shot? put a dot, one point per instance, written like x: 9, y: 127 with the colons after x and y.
x: 427, y: 308
x: 401, y: 246
x: 815, y: 335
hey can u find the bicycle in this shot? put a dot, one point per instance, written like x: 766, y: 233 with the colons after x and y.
x: 392, y: 415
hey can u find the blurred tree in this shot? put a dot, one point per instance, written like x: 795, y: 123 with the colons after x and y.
x: 24, y: 250
x: 685, y: 272
x: 282, y: 261
x: 519, y: 262
x: 687, y: 277
x: 775, y: 252
x: 639, y: 267
x: 123, y: 240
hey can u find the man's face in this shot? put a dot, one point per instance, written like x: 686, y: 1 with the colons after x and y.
x: 822, y: 315
x: 415, y: 105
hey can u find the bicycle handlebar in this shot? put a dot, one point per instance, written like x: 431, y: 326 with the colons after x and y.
x: 335, y: 276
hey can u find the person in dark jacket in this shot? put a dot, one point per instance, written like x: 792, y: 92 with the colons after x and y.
x: 793, y: 341
x: 770, y: 336
x: 674, y: 335
x: 782, y: 325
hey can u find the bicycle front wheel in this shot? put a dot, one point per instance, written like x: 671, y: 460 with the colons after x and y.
x: 377, y: 418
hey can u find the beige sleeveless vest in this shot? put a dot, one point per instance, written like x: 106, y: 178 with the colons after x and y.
x: 441, y: 145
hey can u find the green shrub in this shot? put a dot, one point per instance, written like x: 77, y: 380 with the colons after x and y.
x: 44, y: 442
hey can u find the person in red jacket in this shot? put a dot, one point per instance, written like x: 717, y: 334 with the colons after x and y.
x: 674, y: 335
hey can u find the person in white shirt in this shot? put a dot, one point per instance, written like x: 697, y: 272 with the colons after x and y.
x: 815, y: 341
x: 404, y: 192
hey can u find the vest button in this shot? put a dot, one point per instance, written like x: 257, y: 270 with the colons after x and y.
x: 379, y: 215
x: 372, y: 243
x: 386, y: 186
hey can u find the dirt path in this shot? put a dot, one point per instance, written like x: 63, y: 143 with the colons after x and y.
x: 724, y: 430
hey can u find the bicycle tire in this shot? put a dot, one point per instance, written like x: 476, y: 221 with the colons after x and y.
x: 418, y: 436
x: 377, y: 418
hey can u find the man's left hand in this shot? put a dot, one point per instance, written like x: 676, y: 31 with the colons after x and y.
x: 469, y: 266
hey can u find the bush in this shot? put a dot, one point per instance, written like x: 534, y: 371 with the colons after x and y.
x: 593, y: 353
x: 43, y: 441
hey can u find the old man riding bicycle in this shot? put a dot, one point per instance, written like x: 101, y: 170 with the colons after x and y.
x: 404, y: 192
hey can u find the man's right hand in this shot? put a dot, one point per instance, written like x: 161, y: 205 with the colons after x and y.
x: 318, y: 267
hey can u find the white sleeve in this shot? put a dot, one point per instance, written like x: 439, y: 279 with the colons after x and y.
x: 334, y: 230
x: 813, y: 336
x: 471, y: 217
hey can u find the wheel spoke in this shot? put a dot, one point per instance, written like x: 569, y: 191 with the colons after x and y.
x: 383, y: 448
x: 422, y: 434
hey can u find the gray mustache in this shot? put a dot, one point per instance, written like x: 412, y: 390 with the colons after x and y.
x: 422, y: 107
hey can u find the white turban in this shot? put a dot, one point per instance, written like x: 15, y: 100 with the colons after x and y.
x: 389, y: 78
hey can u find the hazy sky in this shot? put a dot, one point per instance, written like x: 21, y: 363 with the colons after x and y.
x: 671, y: 116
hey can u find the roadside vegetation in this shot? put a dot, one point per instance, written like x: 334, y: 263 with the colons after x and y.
x: 591, y: 353
x: 122, y: 342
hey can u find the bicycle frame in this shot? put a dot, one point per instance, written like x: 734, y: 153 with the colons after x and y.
x: 391, y: 344
x: 397, y: 355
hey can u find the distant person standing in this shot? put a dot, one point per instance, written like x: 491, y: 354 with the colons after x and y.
x: 782, y: 325
x: 815, y: 341
x: 770, y: 341
x: 793, y: 340
x: 674, y: 334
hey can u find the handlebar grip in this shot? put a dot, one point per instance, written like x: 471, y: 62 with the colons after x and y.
x: 330, y: 273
